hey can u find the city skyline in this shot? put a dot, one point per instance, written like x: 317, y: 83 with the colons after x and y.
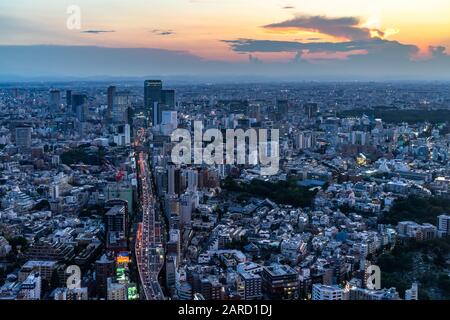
x: 292, y: 40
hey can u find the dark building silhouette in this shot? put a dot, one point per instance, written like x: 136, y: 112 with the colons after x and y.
x: 152, y: 95
x: 69, y: 98
x: 110, y: 92
x: 156, y: 100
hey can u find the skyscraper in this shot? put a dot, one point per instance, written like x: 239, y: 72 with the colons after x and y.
x: 68, y: 98
x: 156, y: 100
x: 311, y: 110
x: 55, y: 99
x: 79, y: 106
x: 110, y: 92
x: 282, y: 109
x: 120, y: 105
x: 168, y: 98
x: 152, y: 94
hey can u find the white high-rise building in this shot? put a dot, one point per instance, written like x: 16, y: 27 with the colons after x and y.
x: 305, y: 140
x: 127, y: 134
x: 324, y: 292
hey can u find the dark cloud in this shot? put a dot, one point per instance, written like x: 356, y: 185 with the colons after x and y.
x: 371, y: 46
x: 288, y: 7
x: 94, y: 31
x: 163, y: 32
x: 347, y: 27
x: 438, y: 52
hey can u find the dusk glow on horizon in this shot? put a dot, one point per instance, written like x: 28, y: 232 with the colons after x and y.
x: 238, y: 31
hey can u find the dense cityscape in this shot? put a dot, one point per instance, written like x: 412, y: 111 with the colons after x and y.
x: 93, y: 206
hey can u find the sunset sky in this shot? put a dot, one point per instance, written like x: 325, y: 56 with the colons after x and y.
x: 234, y: 31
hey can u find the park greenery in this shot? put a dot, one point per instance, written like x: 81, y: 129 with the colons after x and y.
x: 84, y: 154
x: 282, y: 192
x: 420, y: 210
x: 423, y: 262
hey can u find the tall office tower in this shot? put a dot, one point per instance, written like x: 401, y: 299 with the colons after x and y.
x: 79, y: 106
x: 310, y: 110
x: 156, y: 112
x: 127, y: 134
x: 305, y: 140
x: 168, y: 98
x: 82, y: 112
x: 324, y: 292
x: 77, y: 99
x: 282, y: 109
x: 120, y: 105
x: 152, y: 94
x: 55, y: 100
x: 23, y: 136
x: 68, y: 99
x: 110, y: 100
x: 104, y: 268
